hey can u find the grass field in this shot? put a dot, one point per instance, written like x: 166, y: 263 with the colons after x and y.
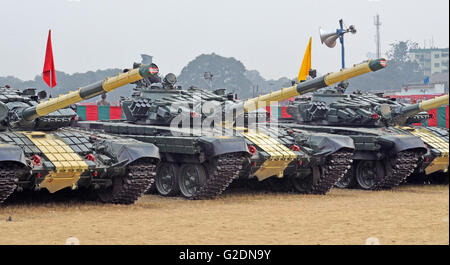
x: 405, y: 215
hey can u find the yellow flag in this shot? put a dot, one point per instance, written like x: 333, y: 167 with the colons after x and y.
x: 306, y: 63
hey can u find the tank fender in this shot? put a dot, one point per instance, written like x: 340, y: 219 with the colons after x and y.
x: 329, y: 144
x: 12, y: 153
x: 214, y: 146
x: 138, y: 151
x: 400, y: 143
x: 129, y: 151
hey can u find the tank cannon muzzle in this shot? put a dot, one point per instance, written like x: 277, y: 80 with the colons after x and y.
x: 107, y: 85
x: 315, y: 84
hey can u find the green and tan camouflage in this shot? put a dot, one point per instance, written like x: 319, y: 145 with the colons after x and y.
x: 150, y: 112
x: 38, y: 150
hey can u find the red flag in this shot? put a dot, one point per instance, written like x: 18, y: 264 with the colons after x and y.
x: 49, y: 65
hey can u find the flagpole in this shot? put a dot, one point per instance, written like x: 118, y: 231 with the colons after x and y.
x: 50, y: 96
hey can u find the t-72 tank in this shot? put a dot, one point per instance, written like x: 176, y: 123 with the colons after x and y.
x: 204, y: 146
x: 197, y: 165
x: 401, y: 116
x: 385, y: 154
x: 39, y: 151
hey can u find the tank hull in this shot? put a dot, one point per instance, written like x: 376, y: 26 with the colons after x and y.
x: 216, y: 160
x: 71, y: 159
x: 296, y: 160
x: 383, y: 157
x: 273, y: 156
x: 436, y: 160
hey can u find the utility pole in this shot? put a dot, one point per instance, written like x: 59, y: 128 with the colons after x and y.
x: 377, y: 23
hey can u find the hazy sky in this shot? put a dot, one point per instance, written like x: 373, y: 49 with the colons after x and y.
x: 269, y: 36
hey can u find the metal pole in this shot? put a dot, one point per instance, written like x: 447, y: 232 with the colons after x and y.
x: 341, y: 39
x: 378, y: 42
x: 50, y: 96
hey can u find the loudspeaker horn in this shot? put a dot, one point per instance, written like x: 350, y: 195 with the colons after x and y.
x: 328, y: 37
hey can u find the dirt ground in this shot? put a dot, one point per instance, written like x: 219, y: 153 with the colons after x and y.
x: 405, y: 215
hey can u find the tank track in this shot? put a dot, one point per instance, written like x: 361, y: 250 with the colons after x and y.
x: 403, y: 165
x: 8, y: 182
x: 334, y: 169
x: 350, y: 175
x: 222, y: 172
x: 141, y: 176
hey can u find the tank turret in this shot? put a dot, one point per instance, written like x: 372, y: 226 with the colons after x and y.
x: 314, y: 84
x: 333, y: 108
x: 22, y: 109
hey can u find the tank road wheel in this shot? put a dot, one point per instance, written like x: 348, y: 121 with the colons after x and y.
x: 348, y: 180
x: 166, y: 181
x: 191, y: 178
x: 369, y: 173
x: 305, y: 184
x: 126, y: 189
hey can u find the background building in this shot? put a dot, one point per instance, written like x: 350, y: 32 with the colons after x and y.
x: 431, y: 61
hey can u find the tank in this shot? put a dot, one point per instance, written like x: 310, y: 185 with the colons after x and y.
x: 193, y: 165
x: 401, y: 116
x: 38, y: 149
x: 436, y: 161
x: 316, y: 161
x: 386, y: 152
x: 201, y: 163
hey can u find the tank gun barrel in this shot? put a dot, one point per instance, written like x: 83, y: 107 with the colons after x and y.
x: 314, y: 84
x: 107, y: 85
x: 424, y: 106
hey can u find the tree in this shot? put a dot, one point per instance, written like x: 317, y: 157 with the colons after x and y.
x: 399, y: 51
x: 399, y: 71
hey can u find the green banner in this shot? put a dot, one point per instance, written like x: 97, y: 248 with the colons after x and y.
x: 81, y: 112
x: 103, y: 113
x: 441, y: 117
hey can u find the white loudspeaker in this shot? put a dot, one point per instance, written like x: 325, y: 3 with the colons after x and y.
x: 328, y: 37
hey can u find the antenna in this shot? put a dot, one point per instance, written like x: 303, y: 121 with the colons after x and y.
x: 377, y: 24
